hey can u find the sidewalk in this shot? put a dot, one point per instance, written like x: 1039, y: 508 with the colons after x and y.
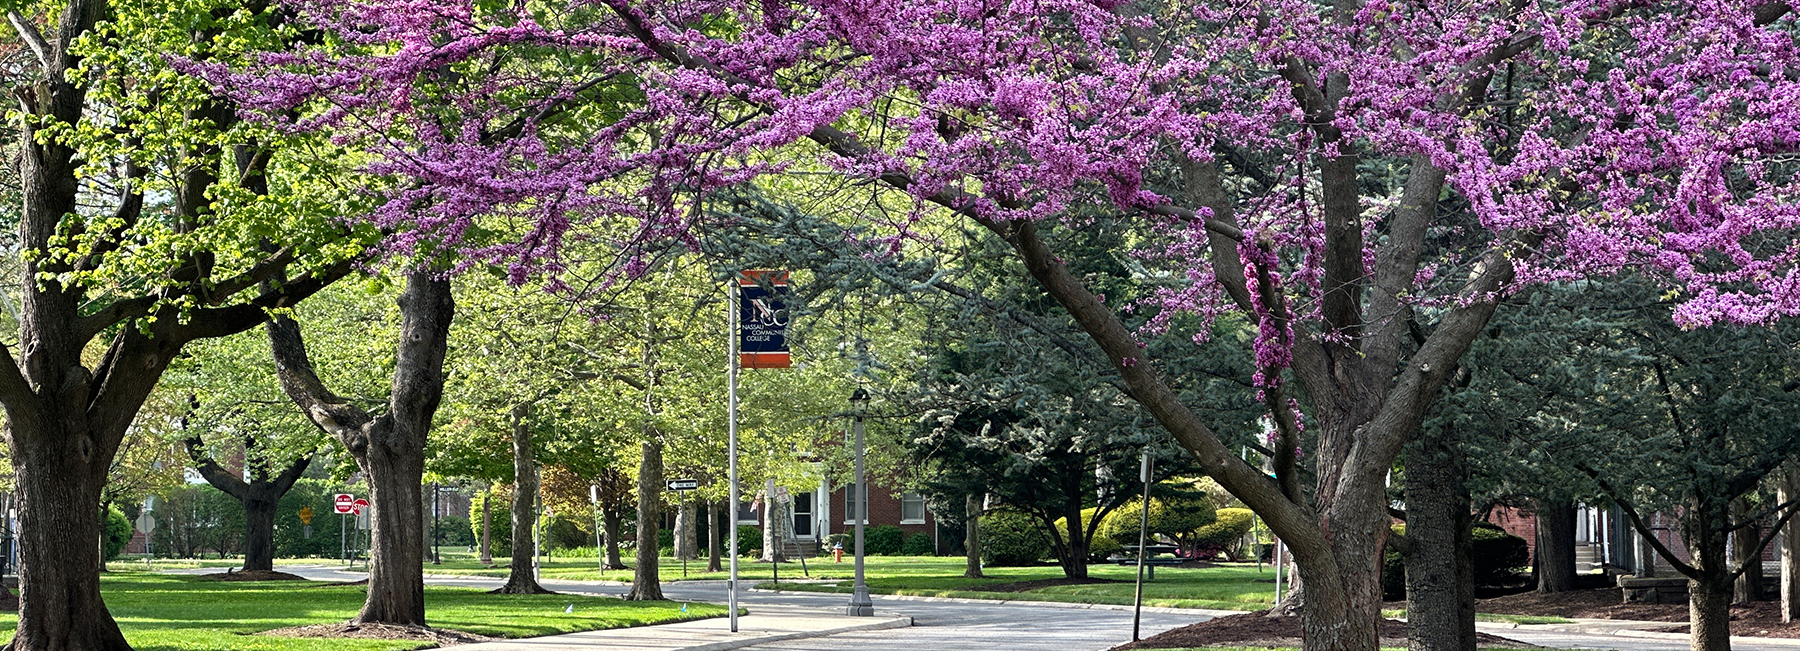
x: 770, y: 625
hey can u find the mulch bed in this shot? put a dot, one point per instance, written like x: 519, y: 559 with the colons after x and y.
x: 1759, y: 619
x: 440, y: 636
x: 253, y: 575
x: 1023, y: 586
x: 1257, y: 629
x: 9, y: 601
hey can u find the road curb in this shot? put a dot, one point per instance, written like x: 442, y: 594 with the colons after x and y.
x: 894, y: 622
x: 1019, y: 602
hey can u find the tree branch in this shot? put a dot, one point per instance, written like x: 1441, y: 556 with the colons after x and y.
x: 32, y: 37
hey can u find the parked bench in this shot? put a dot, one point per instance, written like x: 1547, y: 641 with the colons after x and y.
x: 1156, y: 557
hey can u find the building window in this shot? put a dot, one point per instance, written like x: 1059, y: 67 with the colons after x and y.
x: 851, y: 508
x: 746, y: 514
x: 912, y: 508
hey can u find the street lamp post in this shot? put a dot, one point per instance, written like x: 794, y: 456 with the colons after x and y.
x: 860, y: 605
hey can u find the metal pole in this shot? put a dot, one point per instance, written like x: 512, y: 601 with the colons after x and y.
x: 1276, y: 563
x: 731, y: 445
x: 343, y: 541
x: 860, y: 604
x: 1137, y: 599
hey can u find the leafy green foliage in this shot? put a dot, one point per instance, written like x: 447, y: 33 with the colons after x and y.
x: 1227, y: 530
x: 1178, y: 517
x: 919, y: 544
x: 1012, y: 538
x: 118, y: 532
x: 884, y: 540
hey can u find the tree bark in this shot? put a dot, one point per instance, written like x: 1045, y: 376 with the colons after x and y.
x: 615, y: 522
x: 389, y: 448
x: 520, y: 578
x: 1555, y: 544
x: 1075, y: 546
x: 646, y: 583
x: 260, y: 495
x: 714, y: 509
x: 1440, y: 573
x: 487, y: 527
x: 972, y: 536
x: 1709, y: 614
x: 1746, y: 553
x: 1790, y: 550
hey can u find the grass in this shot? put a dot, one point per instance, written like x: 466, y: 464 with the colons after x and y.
x: 1228, y: 586
x: 160, y: 612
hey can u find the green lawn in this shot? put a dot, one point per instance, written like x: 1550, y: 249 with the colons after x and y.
x: 160, y: 612
x: 1228, y: 586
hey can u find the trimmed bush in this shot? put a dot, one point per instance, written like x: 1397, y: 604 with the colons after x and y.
x: 1011, y: 538
x: 884, y: 540
x: 118, y: 532
x: 500, y: 528
x: 749, y: 541
x: 919, y: 544
x: 1226, y: 532
x: 1497, y: 556
x: 1102, y: 547
x: 1177, y: 518
x: 455, y: 531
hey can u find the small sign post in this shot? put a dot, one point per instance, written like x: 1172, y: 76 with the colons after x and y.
x: 343, y: 503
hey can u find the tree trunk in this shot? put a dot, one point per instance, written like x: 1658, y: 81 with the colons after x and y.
x: 615, y: 522
x: 1555, y: 545
x: 1709, y: 613
x: 1074, y: 561
x: 1746, y: 553
x: 487, y: 527
x: 972, y: 536
x: 1440, y: 573
x: 389, y: 448
x: 714, y: 509
x: 259, y: 534
x: 521, y: 577
x: 1646, y: 554
x: 646, y: 584
x: 59, y: 590
x: 1790, y: 551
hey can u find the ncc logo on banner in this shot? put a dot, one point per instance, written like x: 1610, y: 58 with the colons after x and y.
x: 763, y: 319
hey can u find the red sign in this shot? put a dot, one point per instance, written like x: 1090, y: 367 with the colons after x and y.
x: 762, y: 319
x: 360, y: 506
x: 344, y: 503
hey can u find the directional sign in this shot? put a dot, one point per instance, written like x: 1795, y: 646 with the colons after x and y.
x: 359, y: 506
x: 146, y: 523
x: 344, y: 503
x: 305, y: 514
x: 682, y: 484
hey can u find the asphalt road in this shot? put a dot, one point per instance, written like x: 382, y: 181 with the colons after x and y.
x: 997, y: 626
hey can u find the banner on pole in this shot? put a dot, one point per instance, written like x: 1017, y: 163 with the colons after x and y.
x: 763, y: 319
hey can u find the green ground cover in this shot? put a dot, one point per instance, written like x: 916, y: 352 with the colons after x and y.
x: 161, y: 612
x: 1227, y: 586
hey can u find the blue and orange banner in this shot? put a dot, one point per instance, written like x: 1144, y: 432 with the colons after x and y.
x: 763, y: 319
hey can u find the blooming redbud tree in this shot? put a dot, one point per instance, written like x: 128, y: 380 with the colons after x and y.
x: 1363, y: 179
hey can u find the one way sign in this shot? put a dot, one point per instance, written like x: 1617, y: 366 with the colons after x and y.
x: 682, y: 484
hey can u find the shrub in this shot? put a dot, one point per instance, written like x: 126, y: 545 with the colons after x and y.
x: 499, y: 530
x: 749, y: 541
x: 1176, y: 517
x: 1226, y: 533
x: 1011, y: 538
x: 455, y: 531
x: 1496, y: 555
x: 847, y: 540
x: 569, y: 533
x: 118, y: 532
x: 919, y: 544
x: 1102, y: 547
x: 884, y: 540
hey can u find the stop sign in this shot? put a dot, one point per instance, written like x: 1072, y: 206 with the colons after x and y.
x: 359, y: 506
x: 344, y: 503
